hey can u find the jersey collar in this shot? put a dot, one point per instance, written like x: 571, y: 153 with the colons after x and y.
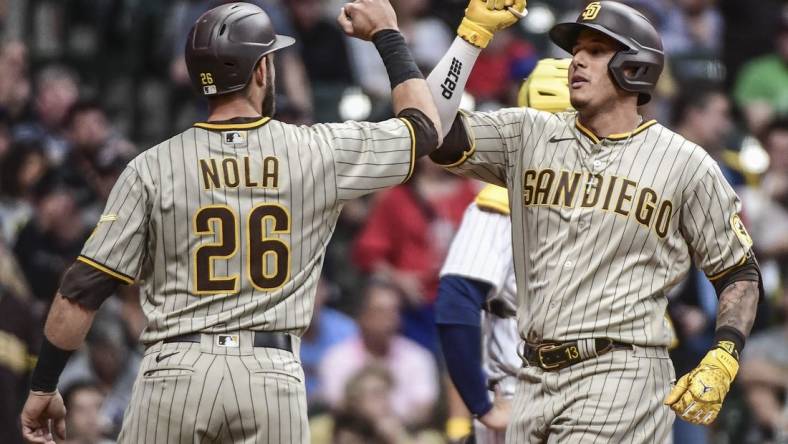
x: 618, y: 136
x: 236, y: 123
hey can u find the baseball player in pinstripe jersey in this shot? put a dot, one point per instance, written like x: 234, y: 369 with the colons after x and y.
x: 607, y: 213
x: 224, y: 227
x: 478, y: 278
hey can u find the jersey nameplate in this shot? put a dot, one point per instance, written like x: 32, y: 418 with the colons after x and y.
x: 234, y: 172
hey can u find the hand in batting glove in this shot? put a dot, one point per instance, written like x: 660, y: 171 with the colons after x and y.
x: 484, y: 17
x: 698, y: 395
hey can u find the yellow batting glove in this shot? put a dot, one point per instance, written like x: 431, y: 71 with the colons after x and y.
x: 484, y: 17
x: 698, y: 395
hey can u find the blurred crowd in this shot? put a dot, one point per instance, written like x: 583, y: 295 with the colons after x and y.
x: 85, y: 85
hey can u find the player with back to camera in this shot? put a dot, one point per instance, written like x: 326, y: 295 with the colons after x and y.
x: 607, y: 213
x: 224, y: 227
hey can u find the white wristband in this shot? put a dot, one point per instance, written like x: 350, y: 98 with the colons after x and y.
x: 447, y: 81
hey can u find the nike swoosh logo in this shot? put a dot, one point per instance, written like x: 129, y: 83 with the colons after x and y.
x: 556, y: 139
x: 161, y: 357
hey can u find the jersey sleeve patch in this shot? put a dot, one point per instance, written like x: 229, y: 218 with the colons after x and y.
x: 494, y: 199
x: 741, y: 232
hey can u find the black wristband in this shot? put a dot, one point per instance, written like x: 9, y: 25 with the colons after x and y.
x: 396, y: 56
x: 729, y: 339
x: 51, y: 362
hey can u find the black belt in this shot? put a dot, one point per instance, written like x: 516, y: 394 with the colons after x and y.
x: 554, y: 356
x: 264, y: 339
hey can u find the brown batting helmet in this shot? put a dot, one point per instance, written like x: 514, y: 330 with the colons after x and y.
x: 642, y: 46
x: 225, y: 44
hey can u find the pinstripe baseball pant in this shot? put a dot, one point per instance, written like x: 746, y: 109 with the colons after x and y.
x: 197, y: 393
x: 615, y: 398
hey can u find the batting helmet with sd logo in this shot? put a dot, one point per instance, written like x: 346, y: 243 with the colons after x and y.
x: 642, y: 52
x: 225, y: 44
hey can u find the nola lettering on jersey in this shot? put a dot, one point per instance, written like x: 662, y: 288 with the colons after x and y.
x: 232, y: 172
x: 610, y: 193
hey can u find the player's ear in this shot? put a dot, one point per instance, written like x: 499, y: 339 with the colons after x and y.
x: 258, y: 76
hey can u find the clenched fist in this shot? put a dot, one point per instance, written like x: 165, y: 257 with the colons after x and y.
x: 698, y: 395
x: 364, y: 18
x: 483, y: 18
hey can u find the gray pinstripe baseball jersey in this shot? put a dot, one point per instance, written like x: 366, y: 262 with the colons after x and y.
x: 603, y: 228
x: 224, y: 226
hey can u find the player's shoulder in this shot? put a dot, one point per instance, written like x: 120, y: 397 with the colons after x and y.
x: 493, y: 199
x: 669, y: 144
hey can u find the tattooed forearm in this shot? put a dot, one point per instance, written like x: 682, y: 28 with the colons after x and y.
x: 738, y: 303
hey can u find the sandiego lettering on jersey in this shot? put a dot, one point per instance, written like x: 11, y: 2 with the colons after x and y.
x: 610, y: 193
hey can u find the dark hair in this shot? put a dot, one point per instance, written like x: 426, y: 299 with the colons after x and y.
x: 778, y: 124
x: 693, y: 96
x: 82, y: 106
x: 12, y: 163
x: 71, y: 390
x: 371, y: 284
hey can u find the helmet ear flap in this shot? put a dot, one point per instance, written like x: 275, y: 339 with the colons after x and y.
x: 643, y: 73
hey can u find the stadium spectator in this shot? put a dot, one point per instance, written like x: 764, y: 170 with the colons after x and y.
x: 21, y: 169
x: 367, y: 414
x: 761, y: 86
x: 764, y: 374
x: 415, y: 388
x: 20, y: 335
x: 15, y: 86
x: 328, y: 328
x: 766, y: 206
x: 51, y: 240
x: 702, y: 114
x: 84, y: 422
x: 56, y: 92
x: 406, y: 238
x: 95, y: 158
x: 693, y: 26
x: 110, y: 364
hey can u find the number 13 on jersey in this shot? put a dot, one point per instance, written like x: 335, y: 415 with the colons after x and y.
x: 267, y: 258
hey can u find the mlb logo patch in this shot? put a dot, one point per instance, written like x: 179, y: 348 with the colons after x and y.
x: 234, y: 137
x: 209, y: 90
x: 227, y: 340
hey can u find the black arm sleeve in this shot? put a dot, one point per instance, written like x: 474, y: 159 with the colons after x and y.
x: 423, y: 131
x: 748, y: 271
x: 87, y: 286
x: 456, y: 145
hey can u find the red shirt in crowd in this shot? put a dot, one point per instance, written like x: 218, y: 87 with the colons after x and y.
x: 410, y: 234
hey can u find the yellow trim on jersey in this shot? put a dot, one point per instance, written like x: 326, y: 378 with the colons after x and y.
x: 412, y: 148
x: 617, y: 136
x: 231, y: 126
x: 493, y: 198
x: 116, y: 274
x: 726, y: 271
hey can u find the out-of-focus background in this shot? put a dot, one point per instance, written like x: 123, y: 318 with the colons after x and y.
x: 85, y: 85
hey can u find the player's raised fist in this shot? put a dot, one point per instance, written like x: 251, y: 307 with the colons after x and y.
x: 364, y: 18
x: 39, y: 409
x: 483, y: 18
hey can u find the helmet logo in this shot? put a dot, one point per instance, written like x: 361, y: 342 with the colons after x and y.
x: 591, y: 11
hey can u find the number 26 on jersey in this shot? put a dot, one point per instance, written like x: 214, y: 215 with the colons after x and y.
x: 267, y: 258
